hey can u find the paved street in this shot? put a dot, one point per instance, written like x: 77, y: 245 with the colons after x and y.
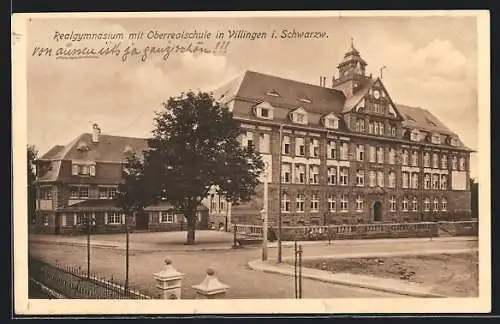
x: 230, y: 265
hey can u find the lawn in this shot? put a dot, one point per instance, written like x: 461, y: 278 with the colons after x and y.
x: 452, y: 275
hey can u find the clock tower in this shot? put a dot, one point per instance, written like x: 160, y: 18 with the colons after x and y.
x: 352, y: 71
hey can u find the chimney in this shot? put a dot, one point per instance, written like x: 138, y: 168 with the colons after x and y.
x: 320, y: 81
x: 95, y: 133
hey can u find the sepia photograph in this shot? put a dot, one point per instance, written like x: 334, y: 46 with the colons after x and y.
x: 243, y: 162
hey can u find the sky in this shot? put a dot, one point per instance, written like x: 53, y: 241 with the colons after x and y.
x: 431, y: 62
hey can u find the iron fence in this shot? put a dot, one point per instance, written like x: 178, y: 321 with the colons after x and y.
x: 73, y: 282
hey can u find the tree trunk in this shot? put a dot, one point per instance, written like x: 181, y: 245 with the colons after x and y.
x: 191, y: 226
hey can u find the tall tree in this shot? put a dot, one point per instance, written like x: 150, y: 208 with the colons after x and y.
x: 195, y: 148
x: 32, y: 153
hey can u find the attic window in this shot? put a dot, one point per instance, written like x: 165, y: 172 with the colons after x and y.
x: 436, y: 139
x: 264, y: 110
x: 299, y: 116
x: 415, y: 135
x: 454, y: 141
x: 305, y: 99
x: 273, y: 93
x: 82, y: 146
x: 410, y: 118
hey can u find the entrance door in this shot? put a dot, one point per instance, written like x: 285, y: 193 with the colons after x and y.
x: 142, y: 220
x: 377, y: 211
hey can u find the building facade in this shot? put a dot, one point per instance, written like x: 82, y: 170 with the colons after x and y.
x: 76, y: 185
x: 346, y: 153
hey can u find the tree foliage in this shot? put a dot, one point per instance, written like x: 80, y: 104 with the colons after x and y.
x: 194, y: 150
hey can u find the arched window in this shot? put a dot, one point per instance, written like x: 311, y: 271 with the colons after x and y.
x: 392, y: 179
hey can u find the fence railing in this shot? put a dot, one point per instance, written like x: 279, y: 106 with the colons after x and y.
x: 362, y: 231
x: 73, y: 282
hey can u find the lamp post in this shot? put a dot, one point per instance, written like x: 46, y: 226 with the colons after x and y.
x: 89, y: 220
x: 279, y: 194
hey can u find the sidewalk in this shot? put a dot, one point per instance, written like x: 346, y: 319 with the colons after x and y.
x: 393, y: 286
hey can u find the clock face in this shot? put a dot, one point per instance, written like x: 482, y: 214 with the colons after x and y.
x: 376, y: 94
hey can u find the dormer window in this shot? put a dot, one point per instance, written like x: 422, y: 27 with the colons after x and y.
x: 82, y: 146
x: 305, y: 99
x: 435, y: 139
x: 331, y: 121
x: 299, y: 116
x: 264, y: 110
x: 454, y: 141
x: 415, y: 135
x: 273, y: 93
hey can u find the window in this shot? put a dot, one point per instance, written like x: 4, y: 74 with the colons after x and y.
x: 404, y: 157
x: 444, y: 182
x: 83, y: 169
x: 405, y: 179
x: 359, y: 204
x: 46, y: 220
x: 461, y: 164
x: 344, y: 176
x: 107, y: 192
x: 264, y: 112
x: 436, y: 204
x: 427, y: 181
x: 79, y: 218
x: 331, y: 203
x: 381, y: 129
x: 344, y: 150
x: 46, y: 192
x: 375, y: 130
x: 360, y: 178
x: 376, y: 106
x: 393, y: 131
x: 360, y: 126
x: 300, y: 118
x: 414, y: 181
x: 314, y: 148
x: 415, y: 135
x: 332, y: 176
x: 167, y: 217
x: 300, y: 203
x: 264, y: 143
x: 373, y: 178
x: 300, y: 148
x: 436, y: 139
x: 360, y: 152
x: 444, y: 204
x: 454, y: 162
x: 404, y: 204
x: 392, y: 156
x: 371, y: 128
x: 314, y: 203
x: 414, y: 158
x: 444, y: 162
x: 248, y: 140
x: 314, y: 174
x: 286, y: 145
x: 372, y: 153
x: 427, y: 204
x: 380, y: 178
x: 344, y: 203
x: 380, y: 155
x: 222, y: 206
x: 454, y: 141
x: 285, y: 202
x: 427, y: 159
x: 114, y: 218
x: 414, y: 204
x: 300, y: 173
x: 435, y: 161
x: 392, y: 179
x: 392, y: 204
x: 332, y: 122
x: 435, y: 181
x: 286, y: 172
x: 332, y: 150
x: 79, y: 192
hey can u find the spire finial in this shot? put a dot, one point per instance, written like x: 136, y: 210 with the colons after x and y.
x: 352, y: 42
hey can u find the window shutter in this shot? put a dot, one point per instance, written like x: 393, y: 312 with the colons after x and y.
x: 74, y: 169
x: 92, y: 170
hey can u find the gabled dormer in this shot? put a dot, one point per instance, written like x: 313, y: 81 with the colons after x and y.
x: 330, y: 121
x: 453, y: 140
x: 273, y: 93
x: 435, y: 138
x: 263, y: 110
x: 299, y: 116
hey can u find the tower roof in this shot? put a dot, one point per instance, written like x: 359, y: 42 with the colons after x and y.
x: 352, y: 55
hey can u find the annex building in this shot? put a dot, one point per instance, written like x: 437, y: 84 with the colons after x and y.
x: 343, y: 153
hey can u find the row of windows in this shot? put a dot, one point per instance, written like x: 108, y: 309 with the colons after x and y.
x: 375, y: 155
x: 83, y: 192
x: 375, y: 178
x: 342, y: 204
x: 375, y: 127
x: 83, y: 169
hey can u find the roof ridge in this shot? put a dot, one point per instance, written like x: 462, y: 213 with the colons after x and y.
x: 293, y: 80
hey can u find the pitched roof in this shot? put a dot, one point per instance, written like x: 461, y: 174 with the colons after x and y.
x: 416, y: 117
x: 358, y: 95
x: 109, y: 148
x: 254, y: 86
